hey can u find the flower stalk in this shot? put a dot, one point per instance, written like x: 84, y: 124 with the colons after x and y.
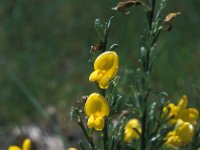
x: 153, y: 34
x: 89, y: 139
x: 105, y: 135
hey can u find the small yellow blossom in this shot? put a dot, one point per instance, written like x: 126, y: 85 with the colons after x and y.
x: 25, y: 146
x: 129, y: 132
x: 181, y: 111
x: 96, y: 108
x: 72, y: 148
x: 105, y: 69
x: 181, y: 136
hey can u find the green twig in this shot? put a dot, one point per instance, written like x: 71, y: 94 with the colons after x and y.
x: 106, y: 32
x: 105, y: 135
x: 144, y: 121
x: 89, y: 139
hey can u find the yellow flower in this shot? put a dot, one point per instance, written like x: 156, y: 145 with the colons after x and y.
x: 72, y: 148
x: 181, y: 111
x: 181, y: 136
x: 129, y: 132
x: 96, y: 108
x: 105, y: 69
x: 25, y: 146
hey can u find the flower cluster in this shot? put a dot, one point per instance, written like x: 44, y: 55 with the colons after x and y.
x: 185, y: 120
x: 182, y: 134
x: 96, y: 107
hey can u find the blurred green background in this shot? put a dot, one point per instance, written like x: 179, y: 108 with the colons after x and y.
x: 44, y: 49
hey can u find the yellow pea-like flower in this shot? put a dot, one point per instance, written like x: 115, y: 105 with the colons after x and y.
x: 96, y: 108
x: 182, y: 104
x: 25, y: 146
x: 181, y: 136
x: 14, y: 148
x: 105, y: 69
x: 129, y: 132
x: 72, y: 148
x: 189, y: 115
x: 181, y: 111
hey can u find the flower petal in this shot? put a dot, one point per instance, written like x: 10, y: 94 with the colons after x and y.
x: 104, y: 61
x: 185, y: 132
x: 104, y: 82
x: 26, y: 144
x: 183, y: 102
x: 14, y: 148
x: 189, y: 115
x: 91, y: 121
x: 96, y: 105
x: 99, y: 123
x: 93, y: 76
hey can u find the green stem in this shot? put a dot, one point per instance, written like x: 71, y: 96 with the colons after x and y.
x: 91, y: 143
x: 144, y: 121
x: 147, y: 66
x: 143, y: 143
x: 103, y: 91
x: 105, y: 42
x: 105, y: 135
x: 150, y: 14
x: 82, y: 145
x: 105, y: 129
x: 147, y: 72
